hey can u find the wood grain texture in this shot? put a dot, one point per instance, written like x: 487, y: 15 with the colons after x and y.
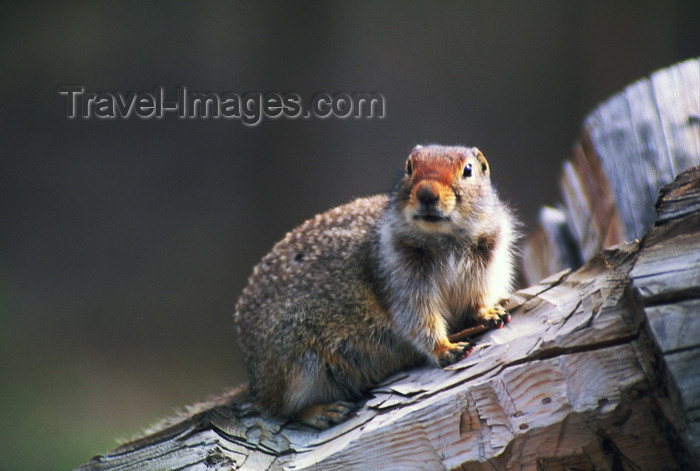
x: 631, y: 145
x: 598, y: 369
x: 666, y: 280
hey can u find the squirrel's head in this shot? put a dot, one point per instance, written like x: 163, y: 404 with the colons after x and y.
x: 443, y: 187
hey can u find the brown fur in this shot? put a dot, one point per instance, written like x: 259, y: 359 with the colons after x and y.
x: 375, y: 286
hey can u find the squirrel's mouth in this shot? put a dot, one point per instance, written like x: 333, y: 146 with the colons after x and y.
x: 430, y: 217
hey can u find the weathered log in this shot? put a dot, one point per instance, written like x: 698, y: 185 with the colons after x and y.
x: 631, y: 145
x: 598, y: 369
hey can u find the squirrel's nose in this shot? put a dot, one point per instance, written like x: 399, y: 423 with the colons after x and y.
x: 427, y: 194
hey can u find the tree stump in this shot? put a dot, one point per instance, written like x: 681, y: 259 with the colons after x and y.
x: 630, y: 146
x: 598, y: 369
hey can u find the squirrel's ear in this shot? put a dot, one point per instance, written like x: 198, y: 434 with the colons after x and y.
x: 482, y: 160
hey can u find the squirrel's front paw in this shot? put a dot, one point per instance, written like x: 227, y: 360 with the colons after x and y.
x: 493, y: 317
x: 453, y: 352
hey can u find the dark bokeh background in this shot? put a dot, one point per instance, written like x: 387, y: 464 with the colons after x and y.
x: 124, y: 244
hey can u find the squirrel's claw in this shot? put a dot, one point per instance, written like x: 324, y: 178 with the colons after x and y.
x: 494, y: 317
x: 456, y: 352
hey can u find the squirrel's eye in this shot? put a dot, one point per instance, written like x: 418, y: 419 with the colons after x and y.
x: 467, y: 171
x: 409, y: 167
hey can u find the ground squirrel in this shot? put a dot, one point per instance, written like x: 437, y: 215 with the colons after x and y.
x: 375, y: 286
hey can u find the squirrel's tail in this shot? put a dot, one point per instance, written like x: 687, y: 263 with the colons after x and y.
x: 190, y: 416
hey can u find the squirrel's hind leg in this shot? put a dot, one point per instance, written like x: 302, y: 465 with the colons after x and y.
x: 311, y: 391
x: 322, y: 416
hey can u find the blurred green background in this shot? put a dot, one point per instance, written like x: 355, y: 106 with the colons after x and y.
x: 124, y: 244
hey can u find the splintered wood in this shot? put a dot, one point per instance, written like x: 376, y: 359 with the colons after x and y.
x: 631, y: 145
x: 666, y: 280
x: 599, y: 369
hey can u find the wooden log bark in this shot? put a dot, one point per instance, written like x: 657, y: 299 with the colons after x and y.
x: 598, y: 369
x: 630, y: 146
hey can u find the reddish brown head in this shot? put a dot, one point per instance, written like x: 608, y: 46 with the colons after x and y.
x: 442, y: 185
